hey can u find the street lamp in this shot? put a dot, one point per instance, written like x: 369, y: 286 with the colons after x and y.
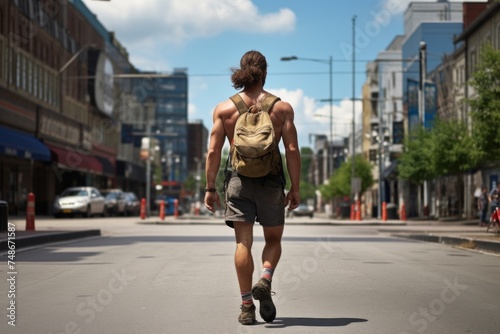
x: 328, y: 61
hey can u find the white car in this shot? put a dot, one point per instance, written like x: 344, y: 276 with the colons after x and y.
x: 86, y: 201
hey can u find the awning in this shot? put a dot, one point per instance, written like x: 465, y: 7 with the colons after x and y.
x: 73, y: 159
x: 107, y: 166
x: 22, y: 145
x: 391, y: 171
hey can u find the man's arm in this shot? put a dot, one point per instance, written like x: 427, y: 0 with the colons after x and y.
x: 292, y: 154
x: 217, y: 138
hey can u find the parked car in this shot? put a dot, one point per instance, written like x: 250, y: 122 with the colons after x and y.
x: 114, y: 201
x: 301, y: 211
x: 87, y: 201
x: 132, y: 204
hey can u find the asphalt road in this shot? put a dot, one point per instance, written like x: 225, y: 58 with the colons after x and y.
x: 179, y: 278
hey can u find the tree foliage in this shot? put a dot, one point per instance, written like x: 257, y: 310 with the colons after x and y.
x: 446, y: 149
x: 485, y: 105
x: 340, y: 182
x: 415, y: 163
x: 449, y: 148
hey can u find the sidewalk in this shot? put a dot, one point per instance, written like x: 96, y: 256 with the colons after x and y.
x: 457, y: 233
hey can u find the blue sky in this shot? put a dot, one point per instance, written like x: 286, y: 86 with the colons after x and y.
x: 208, y: 37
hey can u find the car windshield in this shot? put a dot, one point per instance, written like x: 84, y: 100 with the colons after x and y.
x: 74, y: 192
x: 109, y: 195
x: 130, y: 197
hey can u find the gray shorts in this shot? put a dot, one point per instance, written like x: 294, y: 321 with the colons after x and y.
x: 250, y: 200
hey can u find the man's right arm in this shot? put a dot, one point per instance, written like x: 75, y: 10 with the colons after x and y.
x: 212, y: 165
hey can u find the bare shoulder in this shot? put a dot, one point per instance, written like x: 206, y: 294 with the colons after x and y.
x: 225, y: 109
x: 284, y: 109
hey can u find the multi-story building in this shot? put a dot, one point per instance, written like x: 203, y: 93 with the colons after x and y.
x: 382, y: 117
x: 168, y: 93
x: 481, y: 26
x: 65, y: 127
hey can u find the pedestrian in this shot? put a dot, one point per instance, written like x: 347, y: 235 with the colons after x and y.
x: 248, y: 199
x: 494, y: 194
x: 482, y: 206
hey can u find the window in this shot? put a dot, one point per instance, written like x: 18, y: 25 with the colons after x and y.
x: 30, y: 76
x: 473, y: 61
x: 35, y: 79
x: 18, y: 70
x: 498, y: 37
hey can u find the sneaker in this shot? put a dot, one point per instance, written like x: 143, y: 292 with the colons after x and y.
x: 247, y: 315
x: 262, y: 292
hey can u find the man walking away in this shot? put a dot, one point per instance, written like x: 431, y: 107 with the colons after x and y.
x: 251, y: 199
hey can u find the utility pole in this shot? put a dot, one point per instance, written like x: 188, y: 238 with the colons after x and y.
x: 423, y: 74
x: 353, y: 154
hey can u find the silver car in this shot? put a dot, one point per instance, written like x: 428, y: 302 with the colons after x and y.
x: 86, y: 201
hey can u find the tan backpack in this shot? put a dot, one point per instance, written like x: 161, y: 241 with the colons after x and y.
x: 254, y: 151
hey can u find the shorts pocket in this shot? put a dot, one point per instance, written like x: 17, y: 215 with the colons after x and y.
x: 234, y: 185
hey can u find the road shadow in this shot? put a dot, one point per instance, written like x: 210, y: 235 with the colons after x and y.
x: 283, y: 322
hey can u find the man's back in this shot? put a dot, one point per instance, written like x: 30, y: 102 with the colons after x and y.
x: 227, y: 111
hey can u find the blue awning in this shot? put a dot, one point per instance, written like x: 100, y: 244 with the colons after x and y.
x: 22, y: 145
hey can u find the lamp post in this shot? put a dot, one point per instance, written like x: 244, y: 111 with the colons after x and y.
x: 328, y: 61
x: 353, y: 169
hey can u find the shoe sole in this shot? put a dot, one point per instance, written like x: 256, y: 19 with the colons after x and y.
x: 267, y: 309
x: 247, y: 322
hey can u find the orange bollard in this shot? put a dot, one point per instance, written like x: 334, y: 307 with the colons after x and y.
x: 403, y: 212
x: 352, y: 212
x: 176, y: 208
x: 30, y: 212
x: 384, y: 211
x: 143, y: 208
x: 162, y: 210
x: 358, y: 210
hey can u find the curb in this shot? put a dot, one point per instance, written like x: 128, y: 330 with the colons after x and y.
x: 463, y: 242
x: 29, y: 239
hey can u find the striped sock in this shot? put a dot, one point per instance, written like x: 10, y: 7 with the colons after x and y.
x: 246, y: 298
x: 267, y: 273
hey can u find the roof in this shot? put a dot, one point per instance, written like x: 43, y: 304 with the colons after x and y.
x: 478, y: 22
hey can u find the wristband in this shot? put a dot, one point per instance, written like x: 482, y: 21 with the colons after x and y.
x: 210, y: 190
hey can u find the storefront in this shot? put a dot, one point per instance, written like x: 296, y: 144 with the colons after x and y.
x: 23, y: 161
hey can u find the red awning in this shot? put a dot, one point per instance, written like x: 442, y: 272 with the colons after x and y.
x: 73, y: 159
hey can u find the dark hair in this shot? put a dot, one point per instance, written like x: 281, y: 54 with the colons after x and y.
x: 253, y: 69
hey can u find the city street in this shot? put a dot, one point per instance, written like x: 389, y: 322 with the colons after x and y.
x: 145, y: 277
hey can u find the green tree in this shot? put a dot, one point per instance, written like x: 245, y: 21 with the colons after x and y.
x: 452, y: 148
x: 416, y: 163
x: 340, y: 182
x: 485, y: 105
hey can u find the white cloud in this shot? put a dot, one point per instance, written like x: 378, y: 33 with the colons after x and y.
x: 146, y: 23
x: 313, y: 118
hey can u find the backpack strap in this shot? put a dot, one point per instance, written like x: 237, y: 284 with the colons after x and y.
x: 240, y: 104
x: 266, y: 105
x: 268, y: 102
